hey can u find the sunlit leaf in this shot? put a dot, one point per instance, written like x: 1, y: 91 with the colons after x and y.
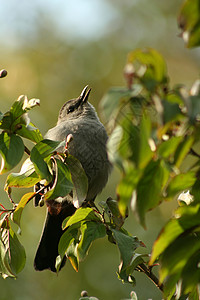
x: 189, y: 23
x: 177, y: 254
x: 152, y: 68
x: 11, y: 150
x: 27, y: 176
x: 20, y: 207
x: 187, y: 217
x: 30, y: 132
x: 82, y: 214
x: 180, y: 183
x: 168, y: 147
x: 72, y: 255
x: 182, y: 150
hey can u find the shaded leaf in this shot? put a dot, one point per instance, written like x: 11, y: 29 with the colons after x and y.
x: 40, y: 154
x: 90, y: 231
x: 126, y: 188
x: 12, y: 254
x: 149, y: 189
x: 11, y: 150
x: 66, y: 239
x: 17, y: 252
x: 127, y: 246
x: 112, y: 100
x: 79, y: 179
x: 62, y: 183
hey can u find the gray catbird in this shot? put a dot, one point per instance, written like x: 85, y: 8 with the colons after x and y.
x: 79, y: 118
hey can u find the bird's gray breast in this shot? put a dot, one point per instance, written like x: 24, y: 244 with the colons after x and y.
x: 89, y: 147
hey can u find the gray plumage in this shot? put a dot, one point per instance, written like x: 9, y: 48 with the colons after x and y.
x: 79, y: 118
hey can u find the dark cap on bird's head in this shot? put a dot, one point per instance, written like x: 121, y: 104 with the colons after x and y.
x: 78, y: 107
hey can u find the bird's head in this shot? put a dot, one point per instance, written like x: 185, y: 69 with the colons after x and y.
x: 77, y: 108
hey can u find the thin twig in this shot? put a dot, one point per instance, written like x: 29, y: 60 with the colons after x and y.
x: 143, y: 268
x: 27, y: 151
x: 194, y: 153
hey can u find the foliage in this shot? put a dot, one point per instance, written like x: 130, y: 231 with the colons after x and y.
x: 155, y: 128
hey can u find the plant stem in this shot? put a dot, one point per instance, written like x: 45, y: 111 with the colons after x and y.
x: 143, y: 268
x: 27, y: 151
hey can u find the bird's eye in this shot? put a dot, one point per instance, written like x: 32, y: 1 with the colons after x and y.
x: 70, y: 109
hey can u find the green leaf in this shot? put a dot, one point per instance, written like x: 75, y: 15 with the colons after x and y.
x: 11, y: 150
x: 155, y: 71
x: 191, y: 274
x: 27, y: 176
x: 114, y: 211
x: 180, y: 183
x: 17, y: 253
x: 12, y: 254
x: 126, y: 187
x: 72, y: 255
x: 17, y: 117
x: 187, y: 217
x: 66, y: 239
x: 112, y: 100
x: 148, y: 193
x: 62, y: 183
x: 79, y: 179
x: 30, y: 132
x: 20, y: 207
x: 81, y: 214
x: 134, y: 144
x: 90, y: 231
x: 193, y: 108
x: 41, y: 153
x: 171, y: 111
x: 189, y: 23
x: 127, y: 246
x: 182, y: 150
x: 177, y: 254
x: 113, y: 145
x: 168, y: 147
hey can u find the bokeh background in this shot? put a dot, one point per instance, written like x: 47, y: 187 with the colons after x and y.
x: 51, y: 50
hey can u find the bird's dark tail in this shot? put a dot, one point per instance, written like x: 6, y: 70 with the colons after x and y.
x: 48, y: 247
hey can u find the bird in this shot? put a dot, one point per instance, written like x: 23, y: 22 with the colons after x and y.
x: 77, y: 117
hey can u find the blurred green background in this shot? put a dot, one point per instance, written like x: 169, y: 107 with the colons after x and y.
x: 51, y: 50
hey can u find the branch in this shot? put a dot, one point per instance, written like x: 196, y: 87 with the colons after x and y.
x: 143, y: 268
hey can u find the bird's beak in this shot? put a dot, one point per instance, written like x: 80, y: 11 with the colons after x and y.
x: 84, y: 94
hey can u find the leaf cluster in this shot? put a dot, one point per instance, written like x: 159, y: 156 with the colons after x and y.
x: 155, y: 129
